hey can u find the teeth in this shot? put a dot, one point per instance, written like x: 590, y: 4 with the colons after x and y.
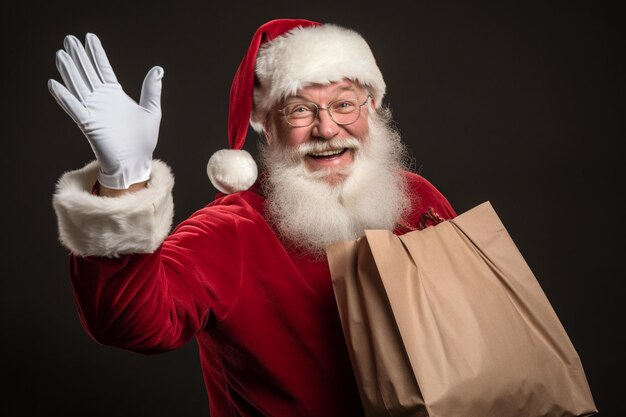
x: 327, y: 153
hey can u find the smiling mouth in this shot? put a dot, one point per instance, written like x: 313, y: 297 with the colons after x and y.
x: 328, y: 153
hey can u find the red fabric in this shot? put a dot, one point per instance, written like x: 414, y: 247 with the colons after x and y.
x: 264, y: 317
x: 242, y: 88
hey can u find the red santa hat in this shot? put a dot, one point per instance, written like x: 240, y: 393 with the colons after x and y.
x: 284, y: 56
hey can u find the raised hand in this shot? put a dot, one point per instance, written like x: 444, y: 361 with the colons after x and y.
x: 121, y: 132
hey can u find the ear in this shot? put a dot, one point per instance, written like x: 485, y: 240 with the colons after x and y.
x: 373, y: 103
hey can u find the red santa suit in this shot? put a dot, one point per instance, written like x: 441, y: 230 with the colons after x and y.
x: 264, y: 316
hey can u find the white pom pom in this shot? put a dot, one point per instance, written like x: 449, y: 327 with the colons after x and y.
x: 232, y: 170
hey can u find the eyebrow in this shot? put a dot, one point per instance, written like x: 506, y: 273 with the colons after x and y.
x: 340, y: 88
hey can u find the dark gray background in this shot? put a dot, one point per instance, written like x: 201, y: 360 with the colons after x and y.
x: 517, y: 103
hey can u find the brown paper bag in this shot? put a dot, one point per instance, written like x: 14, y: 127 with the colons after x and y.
x: 451, y: 322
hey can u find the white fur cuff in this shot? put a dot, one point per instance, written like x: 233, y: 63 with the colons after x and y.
x: 91, y: 225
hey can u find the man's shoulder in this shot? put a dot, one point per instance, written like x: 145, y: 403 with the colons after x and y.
x: 418, y: 183
x: 227, y: 212
x: 240, y: 204
x: 426, y: 198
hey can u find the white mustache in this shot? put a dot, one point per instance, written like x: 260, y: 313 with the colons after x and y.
x: 322, y: 146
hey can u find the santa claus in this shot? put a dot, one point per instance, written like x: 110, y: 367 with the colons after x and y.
x: 246, y: 276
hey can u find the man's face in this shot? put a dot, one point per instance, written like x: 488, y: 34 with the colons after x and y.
x: 326, y: 181
x: 335, y: 156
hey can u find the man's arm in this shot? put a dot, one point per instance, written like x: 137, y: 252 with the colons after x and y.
x: 105, y: 191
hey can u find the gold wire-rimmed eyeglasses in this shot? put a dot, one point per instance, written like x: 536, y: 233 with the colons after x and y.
x: 344, y: 111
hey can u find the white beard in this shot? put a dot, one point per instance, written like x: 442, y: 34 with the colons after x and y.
x: 309, y: 212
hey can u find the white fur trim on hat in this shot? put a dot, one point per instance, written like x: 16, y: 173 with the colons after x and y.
x: 137, y: 222
x: 232, y: 170
x: 312, y: 55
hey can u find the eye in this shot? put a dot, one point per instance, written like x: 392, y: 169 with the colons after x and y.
x: 299, y: 110
x: 344, y: 106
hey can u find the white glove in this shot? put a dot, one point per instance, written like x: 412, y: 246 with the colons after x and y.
x: 122, y: 133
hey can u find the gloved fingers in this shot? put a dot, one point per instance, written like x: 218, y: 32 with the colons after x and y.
x: 68, y: 101
x: 74, y: 82
x: 151, y: 90
x: 98, y: 57
x: 86, y: 69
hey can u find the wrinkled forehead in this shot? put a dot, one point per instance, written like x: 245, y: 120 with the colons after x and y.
x: 326, y: 92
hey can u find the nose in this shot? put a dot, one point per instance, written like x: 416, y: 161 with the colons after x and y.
x: 324, y: 127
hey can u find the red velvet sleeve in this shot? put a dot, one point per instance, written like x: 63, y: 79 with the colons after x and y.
x: 157, y: 302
